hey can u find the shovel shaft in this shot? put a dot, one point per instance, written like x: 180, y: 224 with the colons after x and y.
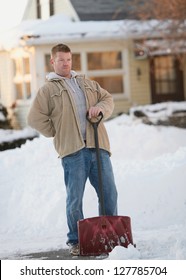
x: 100, y: 181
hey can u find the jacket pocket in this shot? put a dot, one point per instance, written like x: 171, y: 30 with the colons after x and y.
x: 73, y: 155
x: 91, y: 89
x: 58, y: 93
x: 92, y: 95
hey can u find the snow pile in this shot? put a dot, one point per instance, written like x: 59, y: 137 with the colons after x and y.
x: 160, y: 111
x: 10, y: 135
x: 129, y: 253
x: 149, y: 164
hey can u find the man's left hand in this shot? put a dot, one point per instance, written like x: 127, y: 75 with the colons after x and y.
x: 93, y: 112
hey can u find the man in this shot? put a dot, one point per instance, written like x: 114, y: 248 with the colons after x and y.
x: 59, y: 110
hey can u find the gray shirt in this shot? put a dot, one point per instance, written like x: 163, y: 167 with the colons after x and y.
x: 79, y: 99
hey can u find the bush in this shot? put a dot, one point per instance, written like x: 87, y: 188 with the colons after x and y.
x: 5, y: 122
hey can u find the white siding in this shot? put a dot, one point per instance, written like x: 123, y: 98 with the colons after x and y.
x: 60, y: 7
x: 66, y: 8
x: 30, y: 11
x: 6, y: 77
x: 140, y: 92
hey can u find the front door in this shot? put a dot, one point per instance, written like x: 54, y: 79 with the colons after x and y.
x: 166, y: 79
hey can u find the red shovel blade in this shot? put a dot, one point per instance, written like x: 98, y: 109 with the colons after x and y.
x: 101, y: 234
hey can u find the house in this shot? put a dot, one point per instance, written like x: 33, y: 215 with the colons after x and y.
x: 126, y: 56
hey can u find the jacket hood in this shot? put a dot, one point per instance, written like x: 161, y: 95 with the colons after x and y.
x: 53, y: 76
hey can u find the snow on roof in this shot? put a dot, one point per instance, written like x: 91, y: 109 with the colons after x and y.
x: 10, y: 38
x: 59, y: 27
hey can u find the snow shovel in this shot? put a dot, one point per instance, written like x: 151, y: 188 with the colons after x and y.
x: 99, y: 235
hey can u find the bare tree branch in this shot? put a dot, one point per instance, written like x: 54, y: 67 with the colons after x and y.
x: 171, y: 23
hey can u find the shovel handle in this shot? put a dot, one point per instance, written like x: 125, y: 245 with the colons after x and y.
x: 100, y: 116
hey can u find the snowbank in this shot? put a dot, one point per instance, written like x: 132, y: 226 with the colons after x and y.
x: 150, y: 170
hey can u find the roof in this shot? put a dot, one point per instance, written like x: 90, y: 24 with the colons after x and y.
x: 99, y: 10
x: 61, y: 28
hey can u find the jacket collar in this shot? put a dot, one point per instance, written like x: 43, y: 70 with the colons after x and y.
x: 53, y: 76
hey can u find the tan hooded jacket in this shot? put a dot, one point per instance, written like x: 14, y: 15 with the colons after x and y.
x: 53, y: 113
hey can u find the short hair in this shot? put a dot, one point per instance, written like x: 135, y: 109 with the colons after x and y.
x: 60, y: 48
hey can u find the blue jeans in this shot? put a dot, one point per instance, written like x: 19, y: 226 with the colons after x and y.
x: 78, y: 167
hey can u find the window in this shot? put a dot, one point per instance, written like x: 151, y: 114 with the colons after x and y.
x: 38, y: 8
x: 106, y: 68
x: 17, y: 66
x: 48, y: 65
x: 165, y: 75
x: 26, y: 64
x: 19, y: 91
x: 76, y: 63
x: 28, y: 90
x: 51, y: 7
x: 104, y: 60
x: 113, y: 84
x: 21, y: 66
x: 23, y: 90
x: 44, y: 8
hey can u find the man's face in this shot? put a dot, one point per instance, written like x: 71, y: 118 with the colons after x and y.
x: 62, y: 63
